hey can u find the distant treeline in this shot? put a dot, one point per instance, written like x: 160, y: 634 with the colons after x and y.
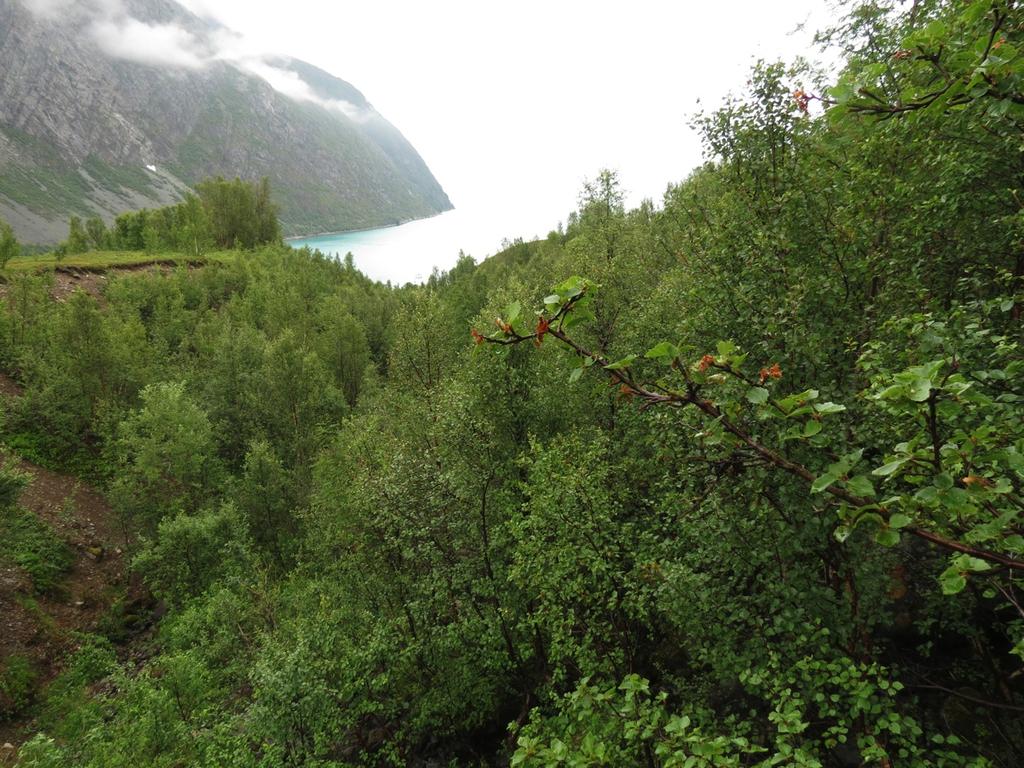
x: 222, y: 214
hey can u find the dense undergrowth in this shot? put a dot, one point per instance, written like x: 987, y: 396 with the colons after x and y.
x: 746, y: 492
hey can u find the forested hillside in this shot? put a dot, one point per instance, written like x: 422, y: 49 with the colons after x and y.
x: 733, y: 479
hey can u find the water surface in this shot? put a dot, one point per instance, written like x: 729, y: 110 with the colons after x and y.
x: 410, y: 252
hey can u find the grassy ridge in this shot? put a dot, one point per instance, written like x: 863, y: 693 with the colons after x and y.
x: 101, y: 260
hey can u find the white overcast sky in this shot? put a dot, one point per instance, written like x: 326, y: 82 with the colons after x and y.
x: 513, y: 104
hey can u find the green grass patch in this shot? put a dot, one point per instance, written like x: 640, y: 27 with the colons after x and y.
x: 32, y: 546
x: 82, y: 460
x: 67, y: 708
x: 17, y: 685
x: 29, y: 446
x: 102, y: 260
x: 45, y: 623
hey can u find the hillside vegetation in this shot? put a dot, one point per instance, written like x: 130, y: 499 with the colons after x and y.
x: 224, y: 217
x: 735, y: 479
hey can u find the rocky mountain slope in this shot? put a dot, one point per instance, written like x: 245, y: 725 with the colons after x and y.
x: 110, y: 105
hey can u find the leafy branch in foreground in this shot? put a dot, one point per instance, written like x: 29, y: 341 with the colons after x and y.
x: 969, y: 52
x: 975, y: 516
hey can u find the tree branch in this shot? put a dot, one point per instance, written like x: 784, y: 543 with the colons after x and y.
x: 692, y: 396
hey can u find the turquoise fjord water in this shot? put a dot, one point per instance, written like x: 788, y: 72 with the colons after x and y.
x: 410, y: 252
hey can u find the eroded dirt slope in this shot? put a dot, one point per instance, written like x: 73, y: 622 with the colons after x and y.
x: 42, y: 627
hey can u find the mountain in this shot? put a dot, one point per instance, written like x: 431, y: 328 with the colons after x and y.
x: 110, y: 105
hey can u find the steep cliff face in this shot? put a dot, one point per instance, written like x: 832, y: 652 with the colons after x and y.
x: 108, y: 106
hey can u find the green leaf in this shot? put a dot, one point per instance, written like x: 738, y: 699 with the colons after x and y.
x: 618, y: 365
x: 574, y: 374
x: 677, y: 724
x: 970, y: 563
x: 887, y: 537
x: 1014, y: 543
x: 826, y: 408
x: 861, y: 485
x: 952, y: 581
x: 663, y: 350
x: 799, y: 399
x: 823, y: 482
x: 757, y: 395
x: 920, y: 390
x: 846, y: 462
x: 725, y: 348
x: 887, y: 469
x: 891, y: 392
x: 570, y: 288
x: 811, y: 428
x: 512, y: 312
x: 899, y: 520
